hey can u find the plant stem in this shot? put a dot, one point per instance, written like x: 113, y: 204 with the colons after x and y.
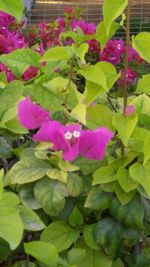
x: 126, y: 58
x: 126, y: 65
x: 110, y: 102
x: 67, y: 88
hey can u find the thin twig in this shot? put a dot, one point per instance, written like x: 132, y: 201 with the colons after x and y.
x: 126, y: 59
x: 67, y: 88
x: 110, y: 102
x: 126, y: 65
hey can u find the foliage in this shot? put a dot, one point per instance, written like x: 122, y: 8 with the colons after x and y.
x: 74, y: 156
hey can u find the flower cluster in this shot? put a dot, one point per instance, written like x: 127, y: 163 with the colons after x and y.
x: 70, y: 139
x: 114, y: 53
x: 44, y: 36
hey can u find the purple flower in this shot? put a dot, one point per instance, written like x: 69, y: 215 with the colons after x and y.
x: 113, y: 51
x: 87, y: 28
x: 134, y: 56
x: 30, y: 115
x: 92, y: 144
x: 30, y: 73
x: 13, y: 41
x: 64, y: 138
x: 6, y: 20
x: 72, y: 141
x: 131, y: 77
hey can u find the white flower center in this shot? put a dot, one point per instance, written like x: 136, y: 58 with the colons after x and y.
x: 119, y: 46
x: 76, y: 134
x: 68, y: 135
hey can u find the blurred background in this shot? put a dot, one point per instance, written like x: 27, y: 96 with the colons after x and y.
x: 48, y: 11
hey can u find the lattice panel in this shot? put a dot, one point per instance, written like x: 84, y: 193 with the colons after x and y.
x: 48, y: 11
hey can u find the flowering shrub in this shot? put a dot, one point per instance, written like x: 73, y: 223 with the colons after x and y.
x: 74, y: 142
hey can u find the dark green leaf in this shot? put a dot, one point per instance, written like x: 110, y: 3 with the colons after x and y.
x: 51, y: 195
x: 107, y: 234
x: 98, y: 200
x: 131, y: 214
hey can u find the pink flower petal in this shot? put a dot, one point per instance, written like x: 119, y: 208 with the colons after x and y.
x: 56, y: 133
x: 30, y: 115
x: 92, y: 144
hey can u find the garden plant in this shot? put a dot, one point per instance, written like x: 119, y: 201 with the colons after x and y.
x: 74, y: 141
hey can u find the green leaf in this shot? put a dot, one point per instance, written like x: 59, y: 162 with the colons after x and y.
x: 76, y: 217
x: 87, y: 166
x: 1, y: 183
x: 142, y: 104
x: 46, y: 98
x: 4, y: 249
x: 131, y: 214
x: 140, y: 174
x: 107, y: 174
x: 94, y: 74
x: 30, y: 219
x: 112, y: 10
x: 82, y: 50
x: 9, y: 219
x: 10, y: 95
x: 60, y: 235
x: 19, y: 60
x: 98, y: 200
x: 44, y: 252
x: 125, y: 180
x: 118, y: 263
x: 110, y: 73
x: 94, y: 258
x: 122, y: 196
x: 74, y: 185
x: 10, y: 199
x: 75, y: 255
x: 143, y: 85
x: 141, y: 43
x: 66, y: 166
x: 107, y: 234
x: 131, y: 236
x: 95, y: 87
x: 12, y: 7
x: 136, y: 141
x: 24, y: 263
x: 27, y: 171
x: 99, y: 79
x: 58, y: 53
x: 146, y: 150
x: 15, y: 127
x: 88, y: 235
x: 101, y: 34
x: 27, y: 197
x: 51, y: 195
x: 125, y: 126
x: 5, y: 148
x: 57, y: 174
x: 10, y: 114
x: 94, y: 120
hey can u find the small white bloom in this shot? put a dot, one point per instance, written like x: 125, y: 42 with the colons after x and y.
x: 68, y: 135
x: 119, y: 46
x: 76, y: 134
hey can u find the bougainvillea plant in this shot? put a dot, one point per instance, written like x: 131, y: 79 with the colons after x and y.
x: 74, y: 142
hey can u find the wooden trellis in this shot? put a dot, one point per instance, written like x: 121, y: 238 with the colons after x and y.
x: 48, y: 11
